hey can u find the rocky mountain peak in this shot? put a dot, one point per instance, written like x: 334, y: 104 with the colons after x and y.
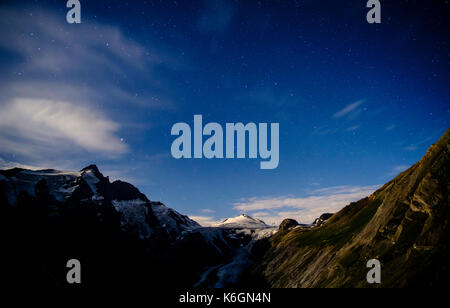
x: 92, y: 169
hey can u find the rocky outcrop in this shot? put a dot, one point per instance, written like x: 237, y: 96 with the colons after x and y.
x: 287, y: 224
x: 323, y: 218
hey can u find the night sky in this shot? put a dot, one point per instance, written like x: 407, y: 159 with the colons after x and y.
x: 357, y: 103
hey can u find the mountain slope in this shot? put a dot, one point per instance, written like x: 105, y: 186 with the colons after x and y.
x: 404, y: 224
x: 171, y: 220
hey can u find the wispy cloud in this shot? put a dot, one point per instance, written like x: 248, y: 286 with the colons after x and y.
x: 343, y: 121
x: 205, y: 221
x: 353, y: 128
x: 207, y: 211
x: 62, y: 78
x: 347, y: 110
x: 61, y: 61
x: 31, y: 121
x: 397, y: 169
x: 10, y: 164
x: 324, y: 130
x: 410, y: 148
x: 425, y: 142
x: 390, y: 127
x: 303, y: 209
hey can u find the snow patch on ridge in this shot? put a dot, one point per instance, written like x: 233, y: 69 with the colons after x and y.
x: 171, y: 220
x: 133, y: 216
x: 61, y: 184
x: 89, y: 177
x: 242, y: 221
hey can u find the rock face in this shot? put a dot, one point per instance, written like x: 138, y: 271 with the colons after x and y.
x: 404, y: 224
x: 172, y: 221
x: 287, y: 224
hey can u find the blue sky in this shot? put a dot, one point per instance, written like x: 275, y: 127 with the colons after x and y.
x: 357, y: 103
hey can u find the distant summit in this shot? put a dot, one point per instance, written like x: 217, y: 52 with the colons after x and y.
x: 242, y: 221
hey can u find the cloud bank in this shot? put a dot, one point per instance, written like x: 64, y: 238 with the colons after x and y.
x: 205, y: 221
x: 25, y: 122
x: 304, y: 209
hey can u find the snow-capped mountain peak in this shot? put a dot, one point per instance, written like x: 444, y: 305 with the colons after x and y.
x: 242, y: 221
